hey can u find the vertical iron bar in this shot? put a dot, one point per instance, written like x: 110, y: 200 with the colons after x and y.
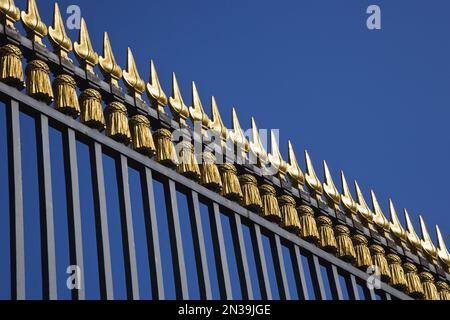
x: 127, y: 226
x: 241, y: 256
x: 371, y: 292
x: 301, y: 280
x: 225, y: 286
x: 74, y: 206
x: 46, y: 182
x: 316, y: 275
x: 177, y: 242
x: 266, y: 291
x: 17, y: 201
x: 149, y: 199
x: 99, y: 191
x: 205, y: 284
x: 354, y: 288
x: 335, y: 283
x: 277, y: 253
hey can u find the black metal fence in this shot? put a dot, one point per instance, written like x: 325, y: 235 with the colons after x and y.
x: 183, y: 241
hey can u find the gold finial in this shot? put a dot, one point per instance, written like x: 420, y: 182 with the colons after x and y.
x: 411, y: 234
x: 256, y: 146
x: 346, y: 197
x: 332, y: 194
x: 378, y: 216
x: 216, y: 124
x: 361, y: 206
x: 442, y: 251
x: 155, y: 92
x: 237, y: 136
x: 275, y: 157
x: 293, y: 169
x: 84, y: 52
x: 313, y: 183
x: 58, y: 36
x: 426, y: 242
x: 197, y: 112
x: 108, y: 66
x: 179, y: 110
x: 133, y: 80
x: 395, y: 225
x: 33, y: 24
x: 10, y: 14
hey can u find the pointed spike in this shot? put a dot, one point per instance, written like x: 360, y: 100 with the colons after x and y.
x: 197, y: 112
x: 293, y: 169
x: 332, y: 194
x: 155, y: 92
x: 33, y: 24
x: 237, y: 136
x: 443, y: 253
x: 395, y: 224
x: 275, y: 157
x: 84, y: 52
x: 379, y: 217
x: 346, y: 197
x: 411, y: 233
x: 9, y: 13
x: 58, y: 36
x: 256, y: 146
x: 179, y: 109
x: 311, y: 178
x: 361, y: 205
x: 426, y: 242
x: 110, y: 69
x: 132, y: 79
x: 216, y: 124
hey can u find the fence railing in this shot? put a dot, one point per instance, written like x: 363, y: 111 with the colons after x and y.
x: 138, y: 229
x: 260, y: 256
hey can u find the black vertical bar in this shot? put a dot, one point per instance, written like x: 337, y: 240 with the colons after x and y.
x: 127, y: 226
x: 74, y: 207
x: 45, y: 181
x: 241, y: 256
x: 17, y: 202
x: 100, y: 203
x: 335, y: 284
x: 177, y: 241
x: 277, y: 254
x: 353, y: 288
x: 156, y: 268
x: 371, y: 293
x: 222, y: 262
x: 260, y: 258
x: 300, y: 275
x: 197, y: 231
x: 316, y: 277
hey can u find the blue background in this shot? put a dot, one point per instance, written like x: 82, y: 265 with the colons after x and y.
x: 375, y: 104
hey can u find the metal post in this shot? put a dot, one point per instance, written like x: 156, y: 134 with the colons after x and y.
x: 130, y: 252
x: 74, y: 206
x: 149, y: 200
x: 100, y: 200
x: 176, y: 241
x: 197, y: 231
x: 17, y: 201
x: 46, y: 183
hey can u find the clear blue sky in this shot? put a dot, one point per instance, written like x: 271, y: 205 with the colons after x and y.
x: 373, y: 103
